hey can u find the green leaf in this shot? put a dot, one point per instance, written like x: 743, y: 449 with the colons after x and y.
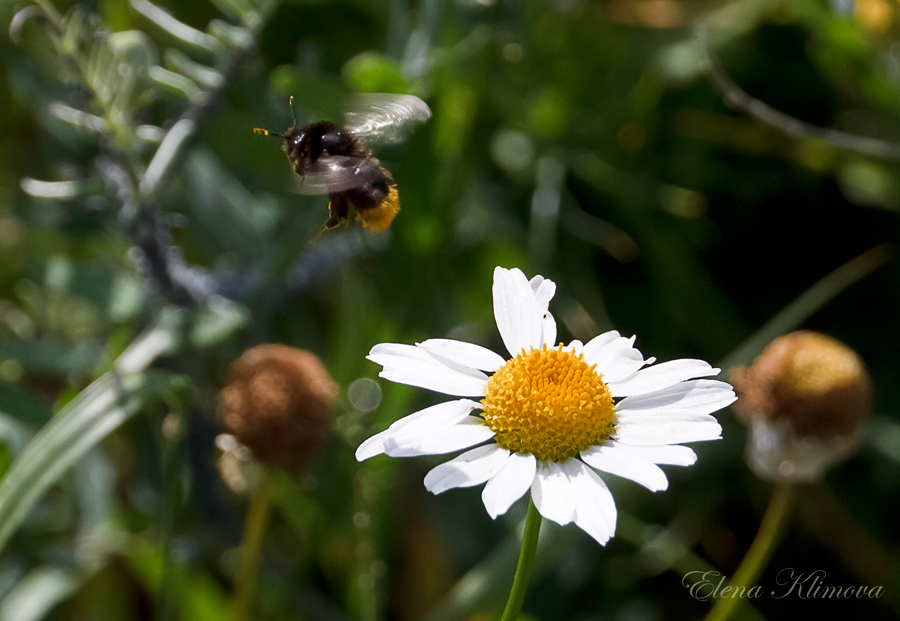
x: 51, y: 356
x: 80, y: 425
x: 217, y: 321
x: 175, y: 83
x: 200, y: 597
x: 39, y: 592
x: 22, y: 405
x: 14, y: 433
x: 372, y: 72
x: 178, y: 61
x: 163, y: 337
x: 164, y: 20
x: 86, y: 420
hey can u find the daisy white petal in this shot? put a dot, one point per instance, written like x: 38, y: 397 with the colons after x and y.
x: 671, y: 455
x: 407, y: 364
x: 412, y: 441
x: 620, y: 463
x: 544, y: 290
x: 595, y: 509
x: 695, y: 397
x: 615, y: 356
x: 548, y: 329
x: 624, y: 366
x: 676, y: 416
x: 466, y: 354
x: 661, y: 376
x: 516, y: 311
x: 373, y: 446
x: 471, y: 468
x: 552, y: 493
x: 601, y: 340
x: 509, y: 484
x: 667, y: 433
x: 442, y: 414
x: 606, y: 346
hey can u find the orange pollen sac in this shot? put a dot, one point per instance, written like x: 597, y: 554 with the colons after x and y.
x: 549, y: 403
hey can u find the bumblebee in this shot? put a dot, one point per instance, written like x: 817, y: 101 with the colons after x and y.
x: 336, y: 160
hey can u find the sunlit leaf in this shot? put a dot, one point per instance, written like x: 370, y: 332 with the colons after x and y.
x: 88, y: 418
x: 39, y: 592
x: 85, y: 421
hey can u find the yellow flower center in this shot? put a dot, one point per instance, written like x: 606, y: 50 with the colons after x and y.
x: 549, y: 403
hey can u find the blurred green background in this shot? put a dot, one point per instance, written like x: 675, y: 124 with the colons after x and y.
x: 148, y: 237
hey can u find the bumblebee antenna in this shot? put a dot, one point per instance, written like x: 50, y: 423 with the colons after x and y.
x: 293, y: 112
x: 265, y: 132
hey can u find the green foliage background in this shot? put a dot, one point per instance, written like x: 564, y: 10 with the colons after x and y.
x: 148, y: 237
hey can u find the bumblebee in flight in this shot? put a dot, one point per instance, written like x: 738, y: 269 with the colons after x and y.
x: 336, y: 160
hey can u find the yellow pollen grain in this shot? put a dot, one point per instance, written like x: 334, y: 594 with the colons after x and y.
x: 549, y: 403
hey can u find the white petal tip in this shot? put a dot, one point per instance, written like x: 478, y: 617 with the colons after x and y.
x: 365, y: 451
x: 434, y: 488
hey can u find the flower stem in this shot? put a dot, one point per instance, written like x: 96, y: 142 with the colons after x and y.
x: 172, y: 490
x: 254, y: 533
x: 761, y: 549
x: 526, y: 563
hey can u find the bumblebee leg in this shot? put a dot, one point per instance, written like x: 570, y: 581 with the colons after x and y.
x: 338, y: 210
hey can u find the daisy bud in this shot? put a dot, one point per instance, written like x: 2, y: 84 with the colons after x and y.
x: 277, y: 404
x: 805, y: 398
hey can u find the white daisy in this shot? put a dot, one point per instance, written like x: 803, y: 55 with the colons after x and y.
x: 553, y: 413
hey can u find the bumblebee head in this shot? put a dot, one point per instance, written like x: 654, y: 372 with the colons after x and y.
x: 305, y: 145
x: 296, y: 145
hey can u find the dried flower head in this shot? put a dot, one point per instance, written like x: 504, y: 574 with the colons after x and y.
x: 805, y: 398
x: 277, y: 403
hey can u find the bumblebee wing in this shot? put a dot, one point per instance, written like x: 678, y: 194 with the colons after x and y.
x: 384, y: 117
x: 336, y: 173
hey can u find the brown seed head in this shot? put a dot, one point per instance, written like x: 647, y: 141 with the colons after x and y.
x: 805, y: 398
x: 814, y: 383
x: 277, y: 403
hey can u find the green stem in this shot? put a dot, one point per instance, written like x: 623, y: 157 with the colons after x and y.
x: 526, y: 563
x: 365, y: 593
x: 50, y: 11
x: 254, y: 533
x: 761, y: 549
x: 172, y: 467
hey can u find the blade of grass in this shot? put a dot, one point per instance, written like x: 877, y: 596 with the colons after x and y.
x: 86, y: 420
x: 39, y: 592
x: 83, y: 422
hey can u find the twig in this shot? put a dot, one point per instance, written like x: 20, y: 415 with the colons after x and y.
x: 738, y: 98
x: 139, y: 214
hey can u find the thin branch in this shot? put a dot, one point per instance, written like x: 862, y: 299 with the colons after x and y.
x: 738, y: 98
x: 156, y: 255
